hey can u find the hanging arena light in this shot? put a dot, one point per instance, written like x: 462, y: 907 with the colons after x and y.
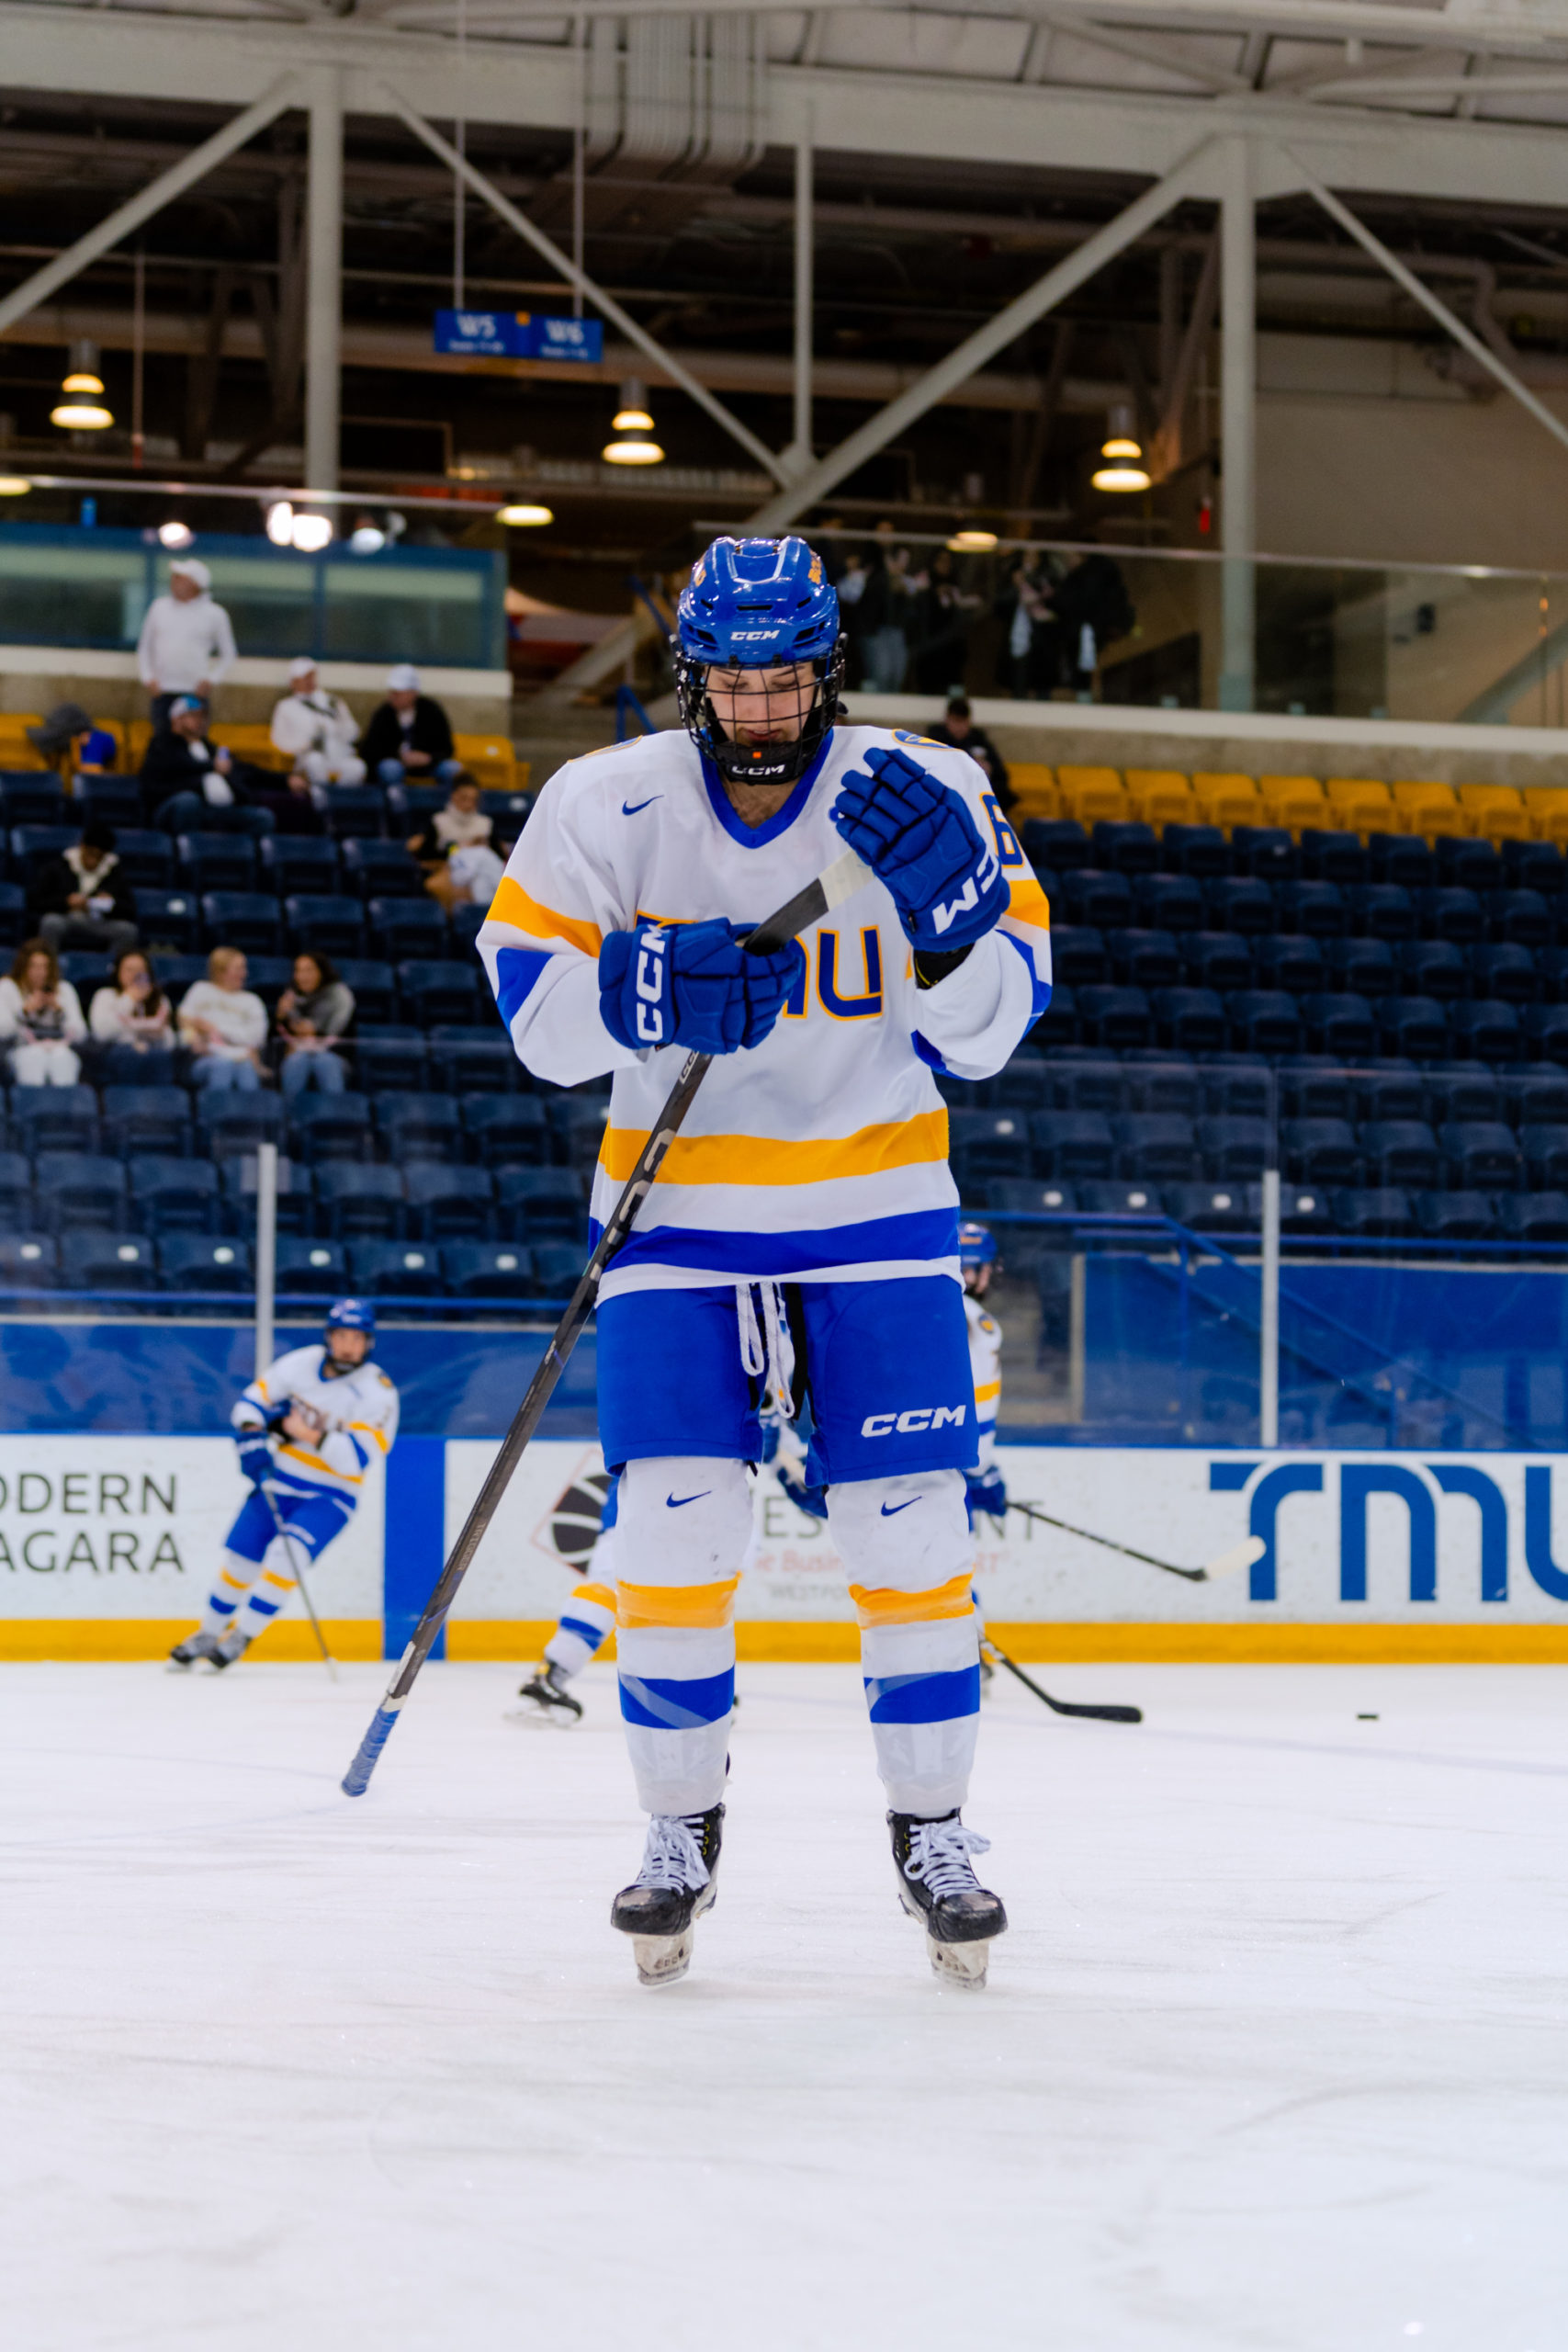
x: 81, y: 407
x: 524, y: 516
x: 1124, y: 469
x: 633, y: 421
x: 972, y: 542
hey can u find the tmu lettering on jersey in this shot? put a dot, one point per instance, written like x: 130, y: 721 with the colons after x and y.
x: 48, y: 1548
x: 835, y: 980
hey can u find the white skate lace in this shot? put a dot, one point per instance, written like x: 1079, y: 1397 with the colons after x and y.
x: 672, y: 1857
x: 939, y: 1853
x: 767, y: 1354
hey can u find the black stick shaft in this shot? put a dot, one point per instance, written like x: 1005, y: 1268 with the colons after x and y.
x: 1193, y: 1576
x: 1065, y: 1706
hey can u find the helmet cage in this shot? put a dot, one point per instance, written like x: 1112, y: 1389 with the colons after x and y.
x: 765, y: 764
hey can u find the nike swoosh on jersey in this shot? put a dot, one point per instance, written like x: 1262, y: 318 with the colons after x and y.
x: 634, y: 808
x: 893, y: 1512
x: 679, y: 1502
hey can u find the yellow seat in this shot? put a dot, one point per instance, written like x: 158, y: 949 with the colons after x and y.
x: 252, y: 742
x: 1427, y: 808
x: 1362, y: 804
x: 1227, y: 800
x: 1160, y: 795
x: 1545, y: 805
x: 1094, y: 796
x: 1294, y: 801
x: 1496, y: 811
x: 489, y: 759
x: 1421, y: 793
x: 16, y: 752
x: 1034, y: 784
x: 138, y: 735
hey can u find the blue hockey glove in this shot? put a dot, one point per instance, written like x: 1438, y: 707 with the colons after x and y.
x: 919, y: 837
x: 255, y: 1455
x: 986, y: 1494
x: 692, y: 984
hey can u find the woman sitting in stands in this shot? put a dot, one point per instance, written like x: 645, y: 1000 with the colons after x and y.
x: 461, y: 867
x: 40, y: 1019
x: 224, y: 1025
x: 313, y: 1014
x: 133, y: 1023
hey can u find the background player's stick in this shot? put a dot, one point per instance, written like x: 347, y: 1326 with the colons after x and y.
x: 1224, y: 1564
x: 832, y: 887
x: 1063, y: 1706
x: 277, y: 1520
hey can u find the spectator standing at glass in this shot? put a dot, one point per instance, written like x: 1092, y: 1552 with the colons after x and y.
x: 408, y: 739
x: 1094, y: 610
x: 461, y: 867
x: 942, y: 610
x: 40, y: 1019
x: 224, y: 1025
x: 193, y: 786
x: 186, y: 645
x: 957, y: 726
x: 83, y: 898
x: 133, y: 1024
x: 884, y: 606
x: 316, y: 731
x: 314, y: 1012
x: 71, y: 743
x: 1030, y: 660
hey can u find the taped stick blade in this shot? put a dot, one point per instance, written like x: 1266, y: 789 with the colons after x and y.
x: 1231, y: 1563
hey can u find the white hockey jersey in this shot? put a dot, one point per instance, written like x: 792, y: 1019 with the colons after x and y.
x: 822, y: 1153
x: 985, y: 1370
x: 359, y: 1408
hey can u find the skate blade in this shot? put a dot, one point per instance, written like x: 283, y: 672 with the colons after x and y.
x: 662, y: 1960
x: 963, y: 1965
x: 546, y: 1718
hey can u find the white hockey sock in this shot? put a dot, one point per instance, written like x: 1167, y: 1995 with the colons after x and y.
x: 227, y: 1598
x: 684, y: 1528
x: 585, y: 1622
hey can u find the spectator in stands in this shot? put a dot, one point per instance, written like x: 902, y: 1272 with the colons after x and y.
x: 316, y: 731
x: 1093, y: 610
x: 942, y: 610
x: 83, y: 898
x: 40, y: 1019
x: 224, y: 1025
x: 70, y: 742
x: 461, y: 866
x: 186, y: 645
x: 885, y: 607
x: 133, y: 1024
x: 957, y: 726
x: 314, y: 1012
x: 408, y: 739
x: 193, y: 786
x: 1029, y: 661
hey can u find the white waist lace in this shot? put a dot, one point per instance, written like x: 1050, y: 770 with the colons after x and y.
x: 767, y: 1354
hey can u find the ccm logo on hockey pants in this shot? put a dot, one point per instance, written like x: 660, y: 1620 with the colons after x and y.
x: 918, y: 1417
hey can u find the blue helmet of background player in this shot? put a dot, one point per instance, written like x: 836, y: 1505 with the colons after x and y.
x: 352, y: 1315
x: 758, y: 605
x: 976, y: 1254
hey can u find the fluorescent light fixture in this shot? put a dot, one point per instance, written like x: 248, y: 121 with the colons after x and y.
x: 972, y: 542
x: 633, y: 450
x: 280, y: 523
x: 1119, y: 445
x: 526, y: 517
x: 177, y: 535
x: 632, y: 416
x: 82, y: 380
x: 81, y: 416
x: 311, y: 532
x: 1120, y: 476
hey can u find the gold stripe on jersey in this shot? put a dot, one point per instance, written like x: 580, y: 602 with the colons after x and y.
x: 511, y: 905
x: 771, y: 1161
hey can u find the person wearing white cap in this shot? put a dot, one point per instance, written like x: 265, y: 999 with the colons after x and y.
x: 316, y: 730
x: 187, y: 645
x: 408, y: 739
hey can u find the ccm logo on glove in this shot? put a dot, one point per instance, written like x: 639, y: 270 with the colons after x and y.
x: 918, y: 838
x: 693, y: 983
x: 919, y: 1417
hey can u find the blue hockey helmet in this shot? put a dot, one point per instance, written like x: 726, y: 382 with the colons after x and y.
x: 759, y: 605
x: 352, y: 1315
x: 977, y: 1245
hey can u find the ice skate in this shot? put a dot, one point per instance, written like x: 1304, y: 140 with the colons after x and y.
x: 192, y: 1650
x: 938, y: 1886
x: 228, y: 1650
x: 549, y: 1694
x: 669, y: 1893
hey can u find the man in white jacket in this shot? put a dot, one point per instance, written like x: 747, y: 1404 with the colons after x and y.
x: 317, y: 729
x: 186, y: 645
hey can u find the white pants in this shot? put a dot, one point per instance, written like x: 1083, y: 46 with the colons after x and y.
x: 331, y: 767
x: 54, y: 1064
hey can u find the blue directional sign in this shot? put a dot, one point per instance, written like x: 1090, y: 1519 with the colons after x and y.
x: 518, y: 334
x: 569, y: 339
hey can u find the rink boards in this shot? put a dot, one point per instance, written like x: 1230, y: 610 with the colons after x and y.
x: 108, y: 1545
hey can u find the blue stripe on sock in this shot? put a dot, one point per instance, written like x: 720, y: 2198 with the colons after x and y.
x: 265, y: 1607
x: 924, y: 1698
x: 591, y: 1634
x: 222, y: 1607
x: 680, y: 1706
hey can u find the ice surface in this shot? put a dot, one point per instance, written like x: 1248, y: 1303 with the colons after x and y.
x: 1273, y: 2055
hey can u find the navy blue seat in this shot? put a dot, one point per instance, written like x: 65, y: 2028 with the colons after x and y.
x: 1220, y: 960
x: 1546, y: 1032
x: 396, y: 1268
x: 166, y: 918
x: 557, y: 1267
x: 577, y: 1125
x: 358, y: 1200
x: 1156, y: 1146
x: 1242, y: 903
x: 291, y: 864
x: 1382, y: 1213
x: 117, y: 800
x: 541, y: 1204
x: 404, y: 928
x: 374, y: 869
x: 506, y: 1130
x: 1144, y: 959
x: 16, y: 1192
x: 1523, y: 917
x: 14, y: 921
x: 1116, y: 1017
x: 1463, y: 1091
x: 1304, y: 1209
x: 1317, y: 909
x: 1402, y: 1152
x: 1433, y: 968
x: 97, y: 1260
x: 1288, y: 959
x: 1507, y: 972
x: 296, y: 1196
x: 1265, y: 1021
x: 477, y: 1059
x: 1028, y: 1196
x: 1343, y: 1025
x: 243, y: 919
x: 350, y: 811
x: 502, y: 1270
x: 467, y: 921
x: 1402, y: 859
x: 1168, y: 902
x: 1361, y: 967
x: 1072, y: 1144
x: 1538, y: 1217
x: 375, y: 987
x: 1125, y: 848
x: 982, y: 1144
x: 32, y: 845
x: 312, y: 1266
x: 1536, y: 866
x: 205, y: 1262
x: 419, y: 1126
x: 326, y: 926
x: 1536, y: 1097
x: 55, y: 1118
x: 1201, y: 851
x: 448, y: 1203
x: 1214, y: 1207
x: 409, y: 807
x: 80, y: 1188
x: 1087, y: 1080
x: 1455, y: 1217
x: 31, y: 797
x: 1021, y: 1084
x: 1162, y: 1081
x: 176, y: 1196
x: 28, y: 1261
x: 1489, y: 1030
x: 391, y: 1058
x: 1415, y: 1026
x: 1058, y: 1024
x: 1320, y: 1151
x: 1480, y: 1154
x: 233, y: 1122
x: 1552, y: 963
x: 1468, y: 865
x: 439, y: 991
x: 1079, y: 955
x: 1234, y: 1150
x: 1332, y: 856
x: 1379, y: 911
x: 1315, y: 1086
x: 1191, y: 1021
x: 1450, y: 913
x: 147, y: 858
x: 1391, y: 1089
x: 1121, y: 1196
x: 330, y: 1126
x: 216, y: 862
x: 1101, y: 900
x: 1266, y: 851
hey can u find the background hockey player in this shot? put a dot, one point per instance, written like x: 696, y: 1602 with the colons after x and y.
x: 584, y: 1624
x: 977, y: 1258
x: 807, y: 1199
x: 308, y: 1430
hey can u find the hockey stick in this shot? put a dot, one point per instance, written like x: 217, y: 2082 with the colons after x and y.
x: 288, y: 1542
x: 1225, y: 1564
x: 832, y: 887
x: 1064, y: 1706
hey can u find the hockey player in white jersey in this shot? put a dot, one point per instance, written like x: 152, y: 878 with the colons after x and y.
x: 308, y: 1430
x: 806, y: 1195
x: 976, y: 1257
